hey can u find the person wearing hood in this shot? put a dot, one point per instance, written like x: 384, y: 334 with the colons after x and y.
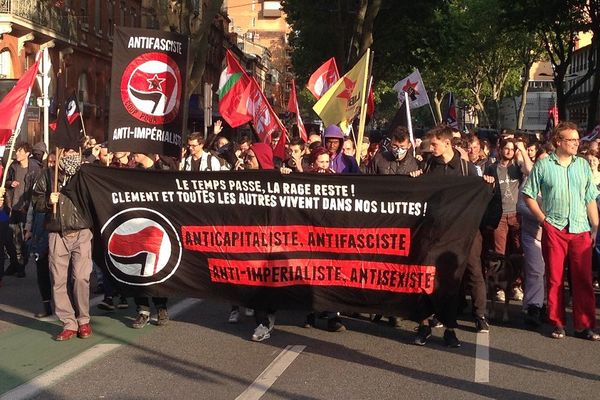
x: 340, y: 162
x: 258, y: 156
x: 70, y: 244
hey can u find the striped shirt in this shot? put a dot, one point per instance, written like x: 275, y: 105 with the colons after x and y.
x: 565, y: 191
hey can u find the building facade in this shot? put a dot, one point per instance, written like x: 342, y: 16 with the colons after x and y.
x: 262, y: 32
x: 578, y: 103
x: 79, y: 35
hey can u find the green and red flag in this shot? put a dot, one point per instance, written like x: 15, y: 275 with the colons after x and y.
x: 232, y: 89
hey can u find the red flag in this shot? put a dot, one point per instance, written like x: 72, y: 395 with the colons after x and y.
x: 232, y: 85
x: 370, y: 100
x: 293, y: 108
x: 323, y: 78
x: 264, y: 119
x: 13, y: 104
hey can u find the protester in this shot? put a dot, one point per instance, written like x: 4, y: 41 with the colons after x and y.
x: 198, y: 159
x: 349, y: 148
x: 509, y: 172
x: 297, y: 160
x: 397, y: 161
x: 477, y: 155
x: 70, y: 243
x: 260, y: 156
x: 340, y: 162
x: 147, y: 161
x: 20, y: 179
x: 446, y: 161
x: 570, y: 224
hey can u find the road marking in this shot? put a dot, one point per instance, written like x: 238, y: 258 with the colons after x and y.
x: 51, y: 377
x: 94, y: 301
x: 268, y: 377
x: 482, y: 358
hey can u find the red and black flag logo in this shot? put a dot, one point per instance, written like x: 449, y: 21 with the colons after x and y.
x: 142, y: 247
x: 148, y: 83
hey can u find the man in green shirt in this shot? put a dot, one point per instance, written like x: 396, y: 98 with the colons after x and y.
x: 569, y: 218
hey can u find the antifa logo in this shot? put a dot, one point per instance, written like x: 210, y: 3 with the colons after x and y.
x: 143, y: 248
x: 151, y: 88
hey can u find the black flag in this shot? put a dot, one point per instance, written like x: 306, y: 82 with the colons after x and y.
x: 69, y: 130
x: 147, y: 97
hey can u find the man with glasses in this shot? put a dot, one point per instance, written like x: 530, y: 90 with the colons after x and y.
x: 198, y: 159
x: 569, y: 218
x: 399, y: 160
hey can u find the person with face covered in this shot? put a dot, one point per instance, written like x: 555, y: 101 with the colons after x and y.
x: 399, y: 160
x: 70, y: 245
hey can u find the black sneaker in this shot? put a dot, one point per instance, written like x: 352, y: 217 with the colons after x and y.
x: 335, y: 325
x: 450, y: 339
x: 481, y: 325
x: 423, y: 333
x: 310, y: 320
x: 394, y: 322
x: 435, y: 323
x: 123, y: 304
x: 534, y: 316
x: 106, y: 304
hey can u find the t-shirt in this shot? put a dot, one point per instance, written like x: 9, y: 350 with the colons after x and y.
x: 509, y: 180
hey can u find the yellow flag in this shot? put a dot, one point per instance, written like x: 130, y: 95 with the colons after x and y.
x: 341, y: 103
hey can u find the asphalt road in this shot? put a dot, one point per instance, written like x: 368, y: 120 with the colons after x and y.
x: 198, y: 355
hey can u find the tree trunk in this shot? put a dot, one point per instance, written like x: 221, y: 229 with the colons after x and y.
x: 595, y: 92
x: 524, y: 90
x: 437, y: 106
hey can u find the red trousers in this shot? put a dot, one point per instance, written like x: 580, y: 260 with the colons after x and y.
x: 558, y: 247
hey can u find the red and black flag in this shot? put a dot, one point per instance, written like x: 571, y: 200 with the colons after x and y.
x: 147, y: 96
x: 68, y: 131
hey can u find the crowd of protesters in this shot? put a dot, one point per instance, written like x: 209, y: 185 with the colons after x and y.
x: 543, y: 217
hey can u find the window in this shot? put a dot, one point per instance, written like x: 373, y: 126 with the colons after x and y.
x: 6, y: 69
x: 82, y: 88
x: 97, y: 17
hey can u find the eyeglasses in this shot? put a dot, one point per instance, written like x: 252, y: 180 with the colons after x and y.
x: 193, y: 145
x: 398, y: 148
x: 570, y: 140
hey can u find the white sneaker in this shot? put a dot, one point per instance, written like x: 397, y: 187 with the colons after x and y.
x: 234, y: 317
x: 261, y: 333
x: 249, y: 312
x: 500, y: 296
x: 517, y: 294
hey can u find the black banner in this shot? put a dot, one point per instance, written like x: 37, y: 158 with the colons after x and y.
x: 148, y: 91
x: 328, y: 242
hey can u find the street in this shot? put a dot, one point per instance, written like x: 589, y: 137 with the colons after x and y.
x: 198, y: 355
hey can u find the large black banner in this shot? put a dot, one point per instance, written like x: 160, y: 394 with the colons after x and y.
x: 148, y: 90
x: 328, y: 242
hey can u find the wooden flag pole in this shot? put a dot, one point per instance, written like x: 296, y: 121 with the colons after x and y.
x: 55, y: 183
x: 363, y: 109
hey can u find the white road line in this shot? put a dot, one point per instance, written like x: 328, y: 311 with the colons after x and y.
x: 94, y: 301
x: 54, y: 375
x: 41, y: 382
x: 268, y: 377
x: 482, y: 358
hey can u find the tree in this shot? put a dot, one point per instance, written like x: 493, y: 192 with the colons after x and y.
x: 193, y: 18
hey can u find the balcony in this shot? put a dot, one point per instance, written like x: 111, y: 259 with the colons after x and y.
x: 39, y: 16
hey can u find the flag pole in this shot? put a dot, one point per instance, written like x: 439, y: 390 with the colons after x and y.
x: 17, y: 130
x: 363, y: 108
x: 58, y: 153
x: 432, y: 114
x: 409, y: 122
